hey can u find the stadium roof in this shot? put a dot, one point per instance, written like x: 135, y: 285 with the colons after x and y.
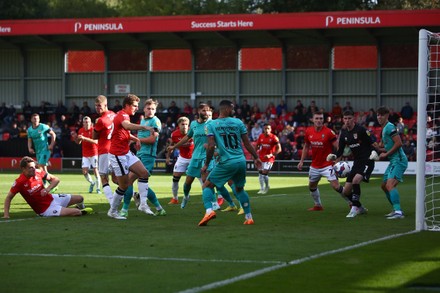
x: 244, y: 30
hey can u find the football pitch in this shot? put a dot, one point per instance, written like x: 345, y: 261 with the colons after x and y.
x: 289, y: 249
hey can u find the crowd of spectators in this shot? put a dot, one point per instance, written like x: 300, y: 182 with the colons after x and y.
x: 288, y: 124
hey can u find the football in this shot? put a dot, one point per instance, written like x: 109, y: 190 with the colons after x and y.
x: 342, y: 169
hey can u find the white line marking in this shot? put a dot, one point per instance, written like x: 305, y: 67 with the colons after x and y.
x: 18, y: 220
x: 266, y: 196
x: 141, y: 258
x: 290, y: 263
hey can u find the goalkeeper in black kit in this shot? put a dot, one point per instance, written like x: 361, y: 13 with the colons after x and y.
x: 358, y: 139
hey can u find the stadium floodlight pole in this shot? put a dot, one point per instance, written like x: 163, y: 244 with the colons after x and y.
x: 422, y: 97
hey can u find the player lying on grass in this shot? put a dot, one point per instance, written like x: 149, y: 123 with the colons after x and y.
x: 30, y: 185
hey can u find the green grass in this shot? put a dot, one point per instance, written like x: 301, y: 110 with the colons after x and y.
x: 287, y: 250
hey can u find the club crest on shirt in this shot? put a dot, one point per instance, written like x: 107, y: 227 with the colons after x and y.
x: 355, y: 135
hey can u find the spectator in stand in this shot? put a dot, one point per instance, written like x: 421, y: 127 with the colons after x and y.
x: 337, y: 125
x: 289, y: 152
x: 337, y: 110
x: 246, y: 109
x: 290, y: 120
x: 187, y: 109
x: 300, y: 140
x: 371, y: 119
x: 281, y: 106
x: 170, y: 124
x: 255, y: 109
x: 173, y: 111
x: 300, y: 118
x: 347, y: 107
x: 407, y: 111
x: 10, y: 115
x: 60, y: 110
x: 117, y: 107
x: 14, y: 132
x: 430, y: 110
x: 256, y: 131
x: 57, y: 150
x: 271, y: 111
x: 329, y: 122
x: 361, y: 118
x: 289, y: 131
x: 310, y: 111
x: 262, y: 120
x: 160, y: 108
x: 393, y: 117
x: 239, y: 114
x: 3, y: 112
x: 42, y: 111
x: 312, y: 108
x: 74, y: 111
x: 284, y: 116
x: 409, y: 150
x: 85, y: 109
x: 27, y: 110
x: 56, y: 128
x: 401, y: 127
x: 194, y: 115
x: 65, y: 133
x: 299, y: 106
x: 22, y: 130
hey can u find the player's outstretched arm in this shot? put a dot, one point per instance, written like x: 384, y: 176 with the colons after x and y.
x: 7, y: 205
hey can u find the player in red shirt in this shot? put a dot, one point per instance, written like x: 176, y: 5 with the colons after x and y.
x: 122, y: 160
x: 103, y: 132
x: 89, y: 153
x: 322, y: 140
x: 30, y: 185
x: 268, y: 147
x: 185, y: 154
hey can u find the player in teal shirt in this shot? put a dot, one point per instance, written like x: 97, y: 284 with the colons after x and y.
x: 227, y: 134
x: 147, y: 154
x: 38, y: 141
x: 392, y: 149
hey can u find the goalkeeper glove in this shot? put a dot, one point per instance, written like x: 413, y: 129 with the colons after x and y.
x: 331, y: 157
x: 374, y: 156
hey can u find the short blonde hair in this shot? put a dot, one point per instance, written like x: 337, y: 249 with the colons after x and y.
x: 101, y: 99
x: 182, y: 119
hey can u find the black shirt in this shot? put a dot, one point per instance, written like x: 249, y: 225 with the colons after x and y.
x: 359, y: 141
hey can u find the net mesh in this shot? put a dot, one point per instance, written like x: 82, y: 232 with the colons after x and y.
x: 432, y: 181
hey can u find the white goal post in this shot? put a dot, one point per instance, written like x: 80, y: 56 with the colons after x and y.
x: 428, y: 96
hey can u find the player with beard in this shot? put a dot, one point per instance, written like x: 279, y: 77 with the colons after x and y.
x: 225, y: 135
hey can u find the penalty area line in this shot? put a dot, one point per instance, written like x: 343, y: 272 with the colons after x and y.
x: 290, y: 263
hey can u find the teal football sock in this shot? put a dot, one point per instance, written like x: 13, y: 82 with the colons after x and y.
x: 127, y: 197
x: 395, y: 199
x: 208, y: 197
x: 153, y: 198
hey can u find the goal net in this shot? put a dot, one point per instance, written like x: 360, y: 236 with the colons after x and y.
x: 428, y: 135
